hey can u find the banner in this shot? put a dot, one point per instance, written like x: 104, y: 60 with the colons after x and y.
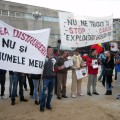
x: 80, y: 32
x: 23, y: 51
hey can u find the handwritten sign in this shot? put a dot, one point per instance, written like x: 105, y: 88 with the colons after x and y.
x: 78, y: 32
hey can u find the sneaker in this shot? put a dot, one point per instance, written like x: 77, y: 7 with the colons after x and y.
x: 73, y: 96
x: 89, y: 94
x: 58, y: 97
x: 4, y: 97
x: 36, y: 102
x: 64, y: 96
x: 24, y: 100
x: 41, y: 109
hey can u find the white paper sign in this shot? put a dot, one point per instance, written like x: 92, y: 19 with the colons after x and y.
x: 81, y: 73
x: 95, y: 64
x: 23, y: 51
x: 68, y: 63
x: 78, y: 32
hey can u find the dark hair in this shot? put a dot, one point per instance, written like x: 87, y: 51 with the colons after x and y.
x: 92, y: 50
x: 63, y: 51
x: 49, y: 47
x: 55, y: 51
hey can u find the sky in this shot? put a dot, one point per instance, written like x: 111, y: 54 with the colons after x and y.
x: 92, y: 8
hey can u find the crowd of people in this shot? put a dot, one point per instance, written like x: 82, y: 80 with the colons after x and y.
x: 54, y: 77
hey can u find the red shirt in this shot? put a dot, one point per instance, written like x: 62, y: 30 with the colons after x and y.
x: 91, y: 70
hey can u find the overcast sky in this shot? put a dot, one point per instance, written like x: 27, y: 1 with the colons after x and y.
x: 94, y: 8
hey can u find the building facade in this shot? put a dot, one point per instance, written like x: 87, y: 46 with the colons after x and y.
x: 116, y: 29
x: 28, y: 17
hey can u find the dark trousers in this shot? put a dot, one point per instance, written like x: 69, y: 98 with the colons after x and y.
x: 25, y: 83
x: 2, y: 82
x: 55, y: 89
x: 30, y: 81
x: 18, y: 78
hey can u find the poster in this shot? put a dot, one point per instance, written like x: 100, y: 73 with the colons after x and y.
x: 81, y: 73
x: 79, y: 32
x: 23, y: 51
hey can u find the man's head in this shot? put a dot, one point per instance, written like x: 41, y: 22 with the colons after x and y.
x: 49, y: 51
x: 76, y: 52
x: 64, y: 54
x: 93, y: 52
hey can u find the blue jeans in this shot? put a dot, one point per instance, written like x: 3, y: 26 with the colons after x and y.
x: 47, y: 93
x: 36, y: 84
x: 12, y: 80
x: 108, y: 86
x: 18, y: 78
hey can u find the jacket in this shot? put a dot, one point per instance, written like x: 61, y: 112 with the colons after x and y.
x: 91, y: 70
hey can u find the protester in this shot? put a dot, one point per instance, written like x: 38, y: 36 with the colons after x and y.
x: 109, y: 66
x: 102, y: 58
x: 2, y: 82
x: 55, y: 54
x: 117, y: 57
x: 48, y: 81
x: 61, y: 75
x: 11, y: 77
x: 77, y: 64
x: 92, y: 73
x: 36, y: 80
x: 18, y: 77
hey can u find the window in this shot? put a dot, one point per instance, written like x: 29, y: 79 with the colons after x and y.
x: 12, y: 14
x: 5, y: 12
x: 17, y: 14
x: 0, y: 12
x: 45, y: 18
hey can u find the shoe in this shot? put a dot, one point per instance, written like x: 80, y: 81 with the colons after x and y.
x: 36, y: 102
x: 73, y: 96
x: 24, y: 100
x: 95, y: 93
x: 13, y: 103
x: 59, y: 98
x: 41, y: 109
x: 64, y: 96
x: 80, y: 94
x: 89, y: 94
x: 4, y: 97
x: 16, y: 95
x: 49, y: 108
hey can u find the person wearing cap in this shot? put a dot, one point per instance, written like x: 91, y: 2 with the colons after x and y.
x: 76, y: 84
x: 92, y: 73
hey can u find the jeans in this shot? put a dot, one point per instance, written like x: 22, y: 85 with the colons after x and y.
x: 47, y: 93
x: 36, y: 84
x: 12, y: 80
x: 108, y: 86
x: 18, y: 78
x: 2, y: 82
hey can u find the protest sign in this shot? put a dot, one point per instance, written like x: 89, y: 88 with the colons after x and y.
x: 79, y: 32
x: 23, y: 51
x: 81, y: 73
